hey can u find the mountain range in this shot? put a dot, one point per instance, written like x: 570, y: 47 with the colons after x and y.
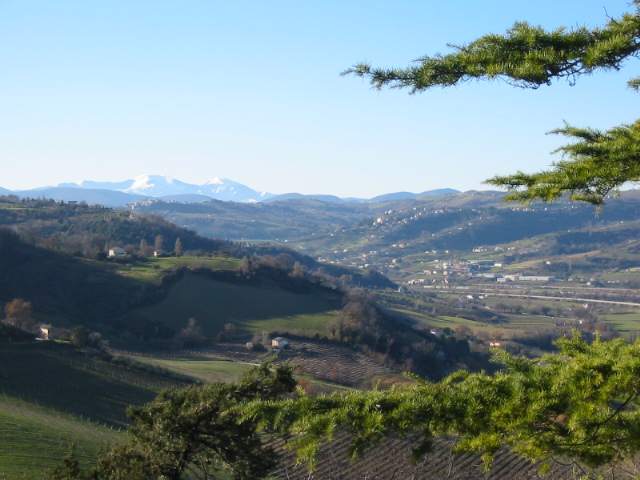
x: 167, y: 189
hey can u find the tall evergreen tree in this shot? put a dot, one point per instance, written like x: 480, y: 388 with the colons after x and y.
x: 143, y: 248
x: 177, y: 249
x: 158, y: 243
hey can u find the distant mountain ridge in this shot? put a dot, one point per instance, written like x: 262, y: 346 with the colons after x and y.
x: 168, y: 189
x: 157, y: 186
x: 414, y: 196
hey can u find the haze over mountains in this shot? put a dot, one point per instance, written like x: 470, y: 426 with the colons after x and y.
x: 144, y: 187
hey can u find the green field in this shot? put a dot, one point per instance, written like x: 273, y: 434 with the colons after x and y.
x: 303, y: 324
x: 35, y: 438
x: 153, y: 269
x: 212, y: 370
x: 205, y: 370
x: 52, y: 396
x: 624, y: 322
x: 213, y: 303
x: 56, y: 376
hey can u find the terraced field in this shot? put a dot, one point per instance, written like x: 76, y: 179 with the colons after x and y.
x: 325, y: 365
x: 335, y: 364
x: 391, y: 460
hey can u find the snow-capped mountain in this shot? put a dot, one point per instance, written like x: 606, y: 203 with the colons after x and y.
x: 149, y: 187
x: 158, y: 186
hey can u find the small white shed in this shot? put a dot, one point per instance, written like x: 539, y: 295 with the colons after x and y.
x: 279, y: 342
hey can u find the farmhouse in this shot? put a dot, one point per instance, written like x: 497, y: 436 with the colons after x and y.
x: 45, y: 332
x: 279, y: 342
x: 117, y: 252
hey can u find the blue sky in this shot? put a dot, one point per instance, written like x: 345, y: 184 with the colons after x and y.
x: 250, y: 90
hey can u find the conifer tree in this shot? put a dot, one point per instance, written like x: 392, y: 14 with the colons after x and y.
x: 177, y: 249
x: 597, y: 162
x: 579, y: 405
x: 143, y: 248
x: 158, y: 243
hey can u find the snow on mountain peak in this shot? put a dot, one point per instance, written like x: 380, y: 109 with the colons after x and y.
x: 215, y: 181
x: 161, y: 186
x: 141, y: 182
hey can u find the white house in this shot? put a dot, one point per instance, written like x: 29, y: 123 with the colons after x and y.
x: 279, y: 342
x: 45, y: 332
x: 115, y: 252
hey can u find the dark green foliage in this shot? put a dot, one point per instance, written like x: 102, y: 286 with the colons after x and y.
x: 63, y: 287
x: 69, y: 470
x: 581, y: 404
x: 529, y: 56
x: 196, y: 431
x: 84, y: 230
x: 59, y: 377
x: 526, y: 55
x: 9, y: 332
x: 597, y: 163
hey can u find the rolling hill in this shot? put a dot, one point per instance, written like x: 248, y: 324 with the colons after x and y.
x: 88, y: 231
x: 93, y: 196
x: 216, y: 300
x: 151, y: 298
x: 53, y: 397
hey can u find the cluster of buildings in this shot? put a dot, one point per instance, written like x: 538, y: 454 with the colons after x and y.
x: 446, y: 270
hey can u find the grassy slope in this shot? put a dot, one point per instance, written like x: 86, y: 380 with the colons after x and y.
x: 52, y: 396
x: 625, y: 322
x: 205, y: 370
x: 153, y: 269
x: 35, y: 438
x: 58, y: 377
x: 210, y: 370
x: 213, y: 303
x: 303, y: 324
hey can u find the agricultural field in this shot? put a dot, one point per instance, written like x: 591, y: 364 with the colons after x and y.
x: 36, y: 438
x: 526, y: 321
x: 214, y: 303
x: 626, y: 322
x: 306, y: 324
x: 57, y: 376
x: 324, y: 365
x: 201, y: 368
x: 336, y: 364
x: 391, y: 459
x: 153, y: 269
x: 52, y: 397
x: 207, y: 368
